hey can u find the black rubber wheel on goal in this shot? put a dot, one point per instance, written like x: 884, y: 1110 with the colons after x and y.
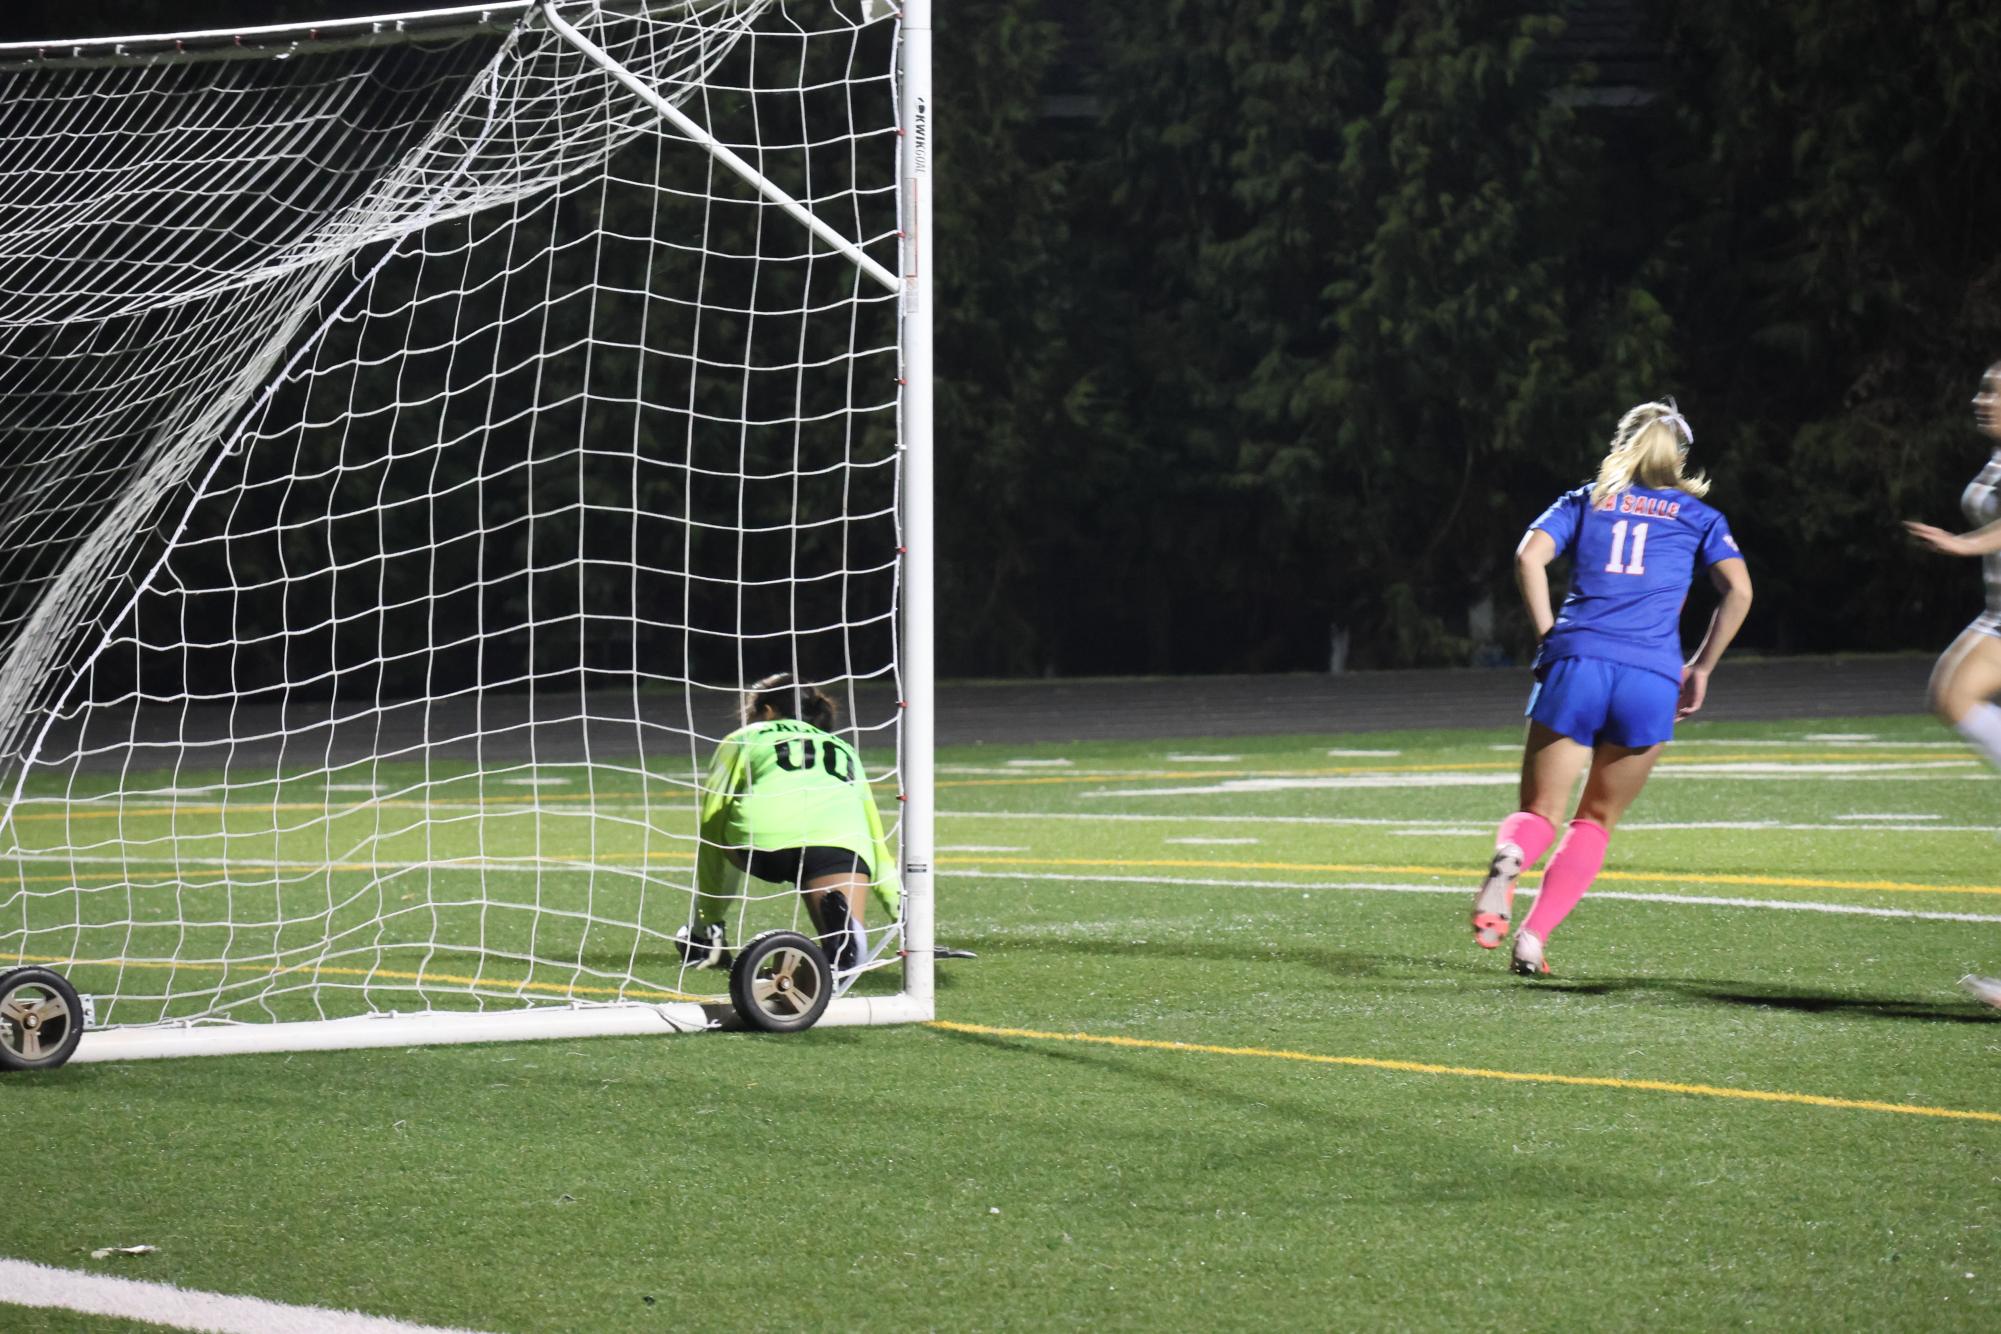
x: 41, y: 1019
x: 781, y: 982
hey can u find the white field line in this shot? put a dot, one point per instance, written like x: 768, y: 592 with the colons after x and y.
x: 1679, y: 742
x: 525, y: 864
x: 1836, y: 742
x: 1240, y: 786
x: 1304, y: 887
x: 1203, y: 759
x: 1391, y: 822
x: 1443, y: 831
x: 1816, y: 768
x: 46, y: 1288
x: 1754, y: 771
x: 528, y: 864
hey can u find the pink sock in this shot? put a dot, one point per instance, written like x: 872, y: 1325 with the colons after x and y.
x: 1570, y: 873
x: 1529, y: 832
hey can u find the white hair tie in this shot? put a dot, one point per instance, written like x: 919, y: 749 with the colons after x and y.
x: 1674, y: 418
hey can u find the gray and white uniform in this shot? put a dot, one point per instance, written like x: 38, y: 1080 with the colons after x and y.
x: 1981, y: 503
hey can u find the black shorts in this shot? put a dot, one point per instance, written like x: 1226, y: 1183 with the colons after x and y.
x: 796, y: 866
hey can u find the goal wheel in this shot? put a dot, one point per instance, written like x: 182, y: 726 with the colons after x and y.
x: 41, y: 1019
x: 781, y: 982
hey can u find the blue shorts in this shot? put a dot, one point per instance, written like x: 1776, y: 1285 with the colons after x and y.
x: 1591, y: 700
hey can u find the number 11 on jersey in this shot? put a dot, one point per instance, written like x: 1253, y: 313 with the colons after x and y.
x: 1637, y: 565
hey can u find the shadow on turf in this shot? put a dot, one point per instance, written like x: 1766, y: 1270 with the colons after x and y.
x: 1777, y: 998
x: 1335, y: 962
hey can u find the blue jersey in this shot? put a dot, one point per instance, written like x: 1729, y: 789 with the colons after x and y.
x: 1633, y: 558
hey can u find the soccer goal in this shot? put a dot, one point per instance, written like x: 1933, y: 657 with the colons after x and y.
x: 415, y: 434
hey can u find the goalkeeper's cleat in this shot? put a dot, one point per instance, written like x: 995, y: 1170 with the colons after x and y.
x: 1985, y: 989
x: 704, y: 948
x: 1495, y: 898
x: 1528, y: 960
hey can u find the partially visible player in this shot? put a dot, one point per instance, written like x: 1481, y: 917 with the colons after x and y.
x: 1610, y: 679
x: 1968, y: 674
x: 785, y: 800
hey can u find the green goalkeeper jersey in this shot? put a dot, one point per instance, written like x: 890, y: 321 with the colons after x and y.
x: 787, y: 784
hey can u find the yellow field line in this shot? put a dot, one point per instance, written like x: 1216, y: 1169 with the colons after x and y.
x: 1102, y: 863
x: 209, y: 875
x: 1474, y: 1072
x: 394, y: 975
x: 1461, y: 872
x: 529, y: 801
x: 523, y: 802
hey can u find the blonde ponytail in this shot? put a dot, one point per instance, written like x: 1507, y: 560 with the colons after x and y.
x: 1650, y: 449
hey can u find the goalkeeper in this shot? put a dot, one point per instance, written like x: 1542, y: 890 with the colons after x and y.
x: 786, y: 801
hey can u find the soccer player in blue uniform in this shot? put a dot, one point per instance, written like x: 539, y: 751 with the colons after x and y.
x: 1610, y: 678
x: 1968, y: 675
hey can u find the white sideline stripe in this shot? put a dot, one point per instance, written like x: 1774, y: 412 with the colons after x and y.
x: 1384, y: 753
x: 1212, y: 842
x: 1204, y: 759
x: 23, y: 1283
x: 1414, y: 887
x: 1914, y: 815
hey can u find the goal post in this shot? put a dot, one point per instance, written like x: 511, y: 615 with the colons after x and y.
x: 415, y: 434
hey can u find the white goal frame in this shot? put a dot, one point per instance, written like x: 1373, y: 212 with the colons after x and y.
x: 912, y: 286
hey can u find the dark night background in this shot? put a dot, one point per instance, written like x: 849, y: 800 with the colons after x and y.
x: 1267, y: 325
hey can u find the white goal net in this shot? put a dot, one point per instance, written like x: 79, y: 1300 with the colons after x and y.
x: 415, y: 434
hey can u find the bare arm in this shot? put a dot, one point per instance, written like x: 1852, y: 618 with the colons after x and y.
x: 1733, y: 580
x: 1979, y: 542
x: 1532, y: 560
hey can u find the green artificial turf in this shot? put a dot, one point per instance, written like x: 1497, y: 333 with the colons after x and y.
x: 1021, y: 1170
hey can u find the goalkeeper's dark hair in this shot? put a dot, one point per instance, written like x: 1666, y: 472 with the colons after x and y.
x: 788, y: 698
